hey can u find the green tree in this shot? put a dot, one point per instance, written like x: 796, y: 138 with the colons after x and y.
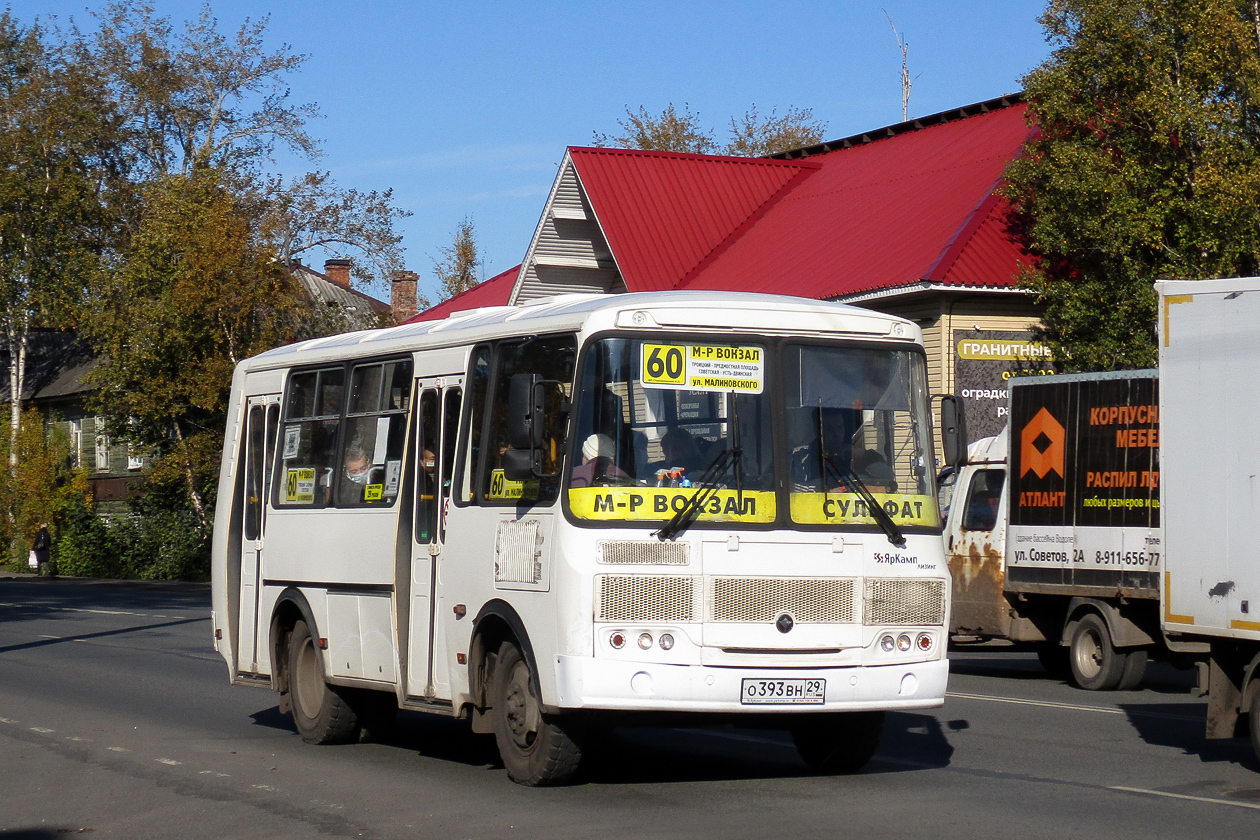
x: 58, y: 159
x: 751, y: 135
x: 670, y: 132
x: 459, y: 268
x: 1146, y: 165
x: 313, y: 212
x: 198, y: 293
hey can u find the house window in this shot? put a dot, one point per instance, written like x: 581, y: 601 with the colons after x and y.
x: 134, y: 460
x: 102, y: 446
x: 76, y: 443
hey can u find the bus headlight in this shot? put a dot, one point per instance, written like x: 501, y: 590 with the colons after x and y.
x: 617, y: 640
x: 925, y: 642
x: 645, y: 640
x: 666, y: 641
x: 903, y: 643
x: 887, y: 644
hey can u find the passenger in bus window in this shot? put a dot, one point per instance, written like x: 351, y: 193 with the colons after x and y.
x: 428, y: 484
x: 828, y: 431
x: 598, y: 464
x: 356, y: 475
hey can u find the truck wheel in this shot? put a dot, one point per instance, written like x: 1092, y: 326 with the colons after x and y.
x: 321, y: 713
x: 1096, y: 664
x: 1253, y: 718
x: 838, y: 743
x: 1134, y: 669
x: 537, y: 749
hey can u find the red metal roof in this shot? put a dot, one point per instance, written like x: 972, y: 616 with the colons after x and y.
x: 492, y: 292
x: 663, y: 212
x: 888, y: 213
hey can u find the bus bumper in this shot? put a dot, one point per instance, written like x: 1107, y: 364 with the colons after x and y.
x: 588, y: 683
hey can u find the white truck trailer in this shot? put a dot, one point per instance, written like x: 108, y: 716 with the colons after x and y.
x: 1054, y: 537
x: 1209, y: 358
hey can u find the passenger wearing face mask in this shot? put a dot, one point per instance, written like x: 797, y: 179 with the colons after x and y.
x: 356, y: 475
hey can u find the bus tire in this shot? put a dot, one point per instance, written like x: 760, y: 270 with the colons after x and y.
x: 537, y: 749
x: 838, y: 743
x: 321, y: 713
x: 1134, y: 669
x: 1096, y: 664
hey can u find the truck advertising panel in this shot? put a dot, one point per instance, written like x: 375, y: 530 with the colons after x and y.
x: 1084, y: 493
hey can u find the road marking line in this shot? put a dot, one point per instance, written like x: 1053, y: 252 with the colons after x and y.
x: 1074, y: 706
x: 46, y: 636
x: 74, y: 738
x: 172, y: 762
x: 41, y: 730
x: 118, y: 749
x: 7, y: 720
x: 263, y: 787
x: 1253, y: 806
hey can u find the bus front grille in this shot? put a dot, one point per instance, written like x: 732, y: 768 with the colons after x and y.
x: 644, y: 598
x: 643, y: 552
x: 807, y: 600
x: 902, y: 601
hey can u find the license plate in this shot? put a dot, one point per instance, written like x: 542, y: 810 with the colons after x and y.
x: 796, y: 692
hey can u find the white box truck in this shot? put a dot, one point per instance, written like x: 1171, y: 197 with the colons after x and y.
x: 1053, y: 534
x: 1209, y: 361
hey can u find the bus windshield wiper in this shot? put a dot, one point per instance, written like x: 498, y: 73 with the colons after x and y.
x: 732, y: 455
x: 845, y: 474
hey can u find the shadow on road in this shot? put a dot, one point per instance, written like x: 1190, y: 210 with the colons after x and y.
x: 1161, y: 677
x: 37, y: 833
x: 1181, y: 726
x: 654, y: 755
x: 29, y: 597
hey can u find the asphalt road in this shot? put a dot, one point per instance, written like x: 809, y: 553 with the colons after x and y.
x: 116, y: 720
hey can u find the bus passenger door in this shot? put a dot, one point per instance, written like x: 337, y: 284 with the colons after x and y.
x: 435, y: 458
x: 262, y: 416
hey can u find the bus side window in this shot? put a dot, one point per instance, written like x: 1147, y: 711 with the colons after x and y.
x: 553, y: 359
x: 426, y: 485
x: 312, y: 419
x: 450, y: 439
x: 370, y: 472
x: 479, y: 384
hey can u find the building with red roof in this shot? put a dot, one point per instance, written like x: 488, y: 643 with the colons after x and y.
x: 905, y: 220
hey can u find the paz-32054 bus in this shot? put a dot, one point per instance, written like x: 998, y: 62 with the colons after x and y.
x: 585, y: 512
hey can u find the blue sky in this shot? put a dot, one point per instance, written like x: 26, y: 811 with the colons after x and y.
x: 465, y: 108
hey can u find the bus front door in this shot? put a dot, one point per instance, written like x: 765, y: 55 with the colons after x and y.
x: 435, y: 459
x: 262, y: 416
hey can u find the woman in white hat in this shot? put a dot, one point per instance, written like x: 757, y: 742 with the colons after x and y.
x: 598, y: 456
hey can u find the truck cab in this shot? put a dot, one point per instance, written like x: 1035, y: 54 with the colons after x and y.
x: 975, y: 541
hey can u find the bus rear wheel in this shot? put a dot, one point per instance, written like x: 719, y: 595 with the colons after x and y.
x: 321, y: 713
x: 838, y: 743
x: 537, y: 749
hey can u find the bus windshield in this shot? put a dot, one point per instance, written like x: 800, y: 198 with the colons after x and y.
x: 658, y: 419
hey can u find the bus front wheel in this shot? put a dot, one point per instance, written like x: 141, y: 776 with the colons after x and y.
x: 838, y: 743
x: 321, y: 713
x: 537, y: 749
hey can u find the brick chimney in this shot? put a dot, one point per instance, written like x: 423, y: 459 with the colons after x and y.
x: 338, y: 271
x: 402, y: 297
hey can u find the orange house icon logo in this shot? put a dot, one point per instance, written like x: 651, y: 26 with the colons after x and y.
x: 1038, y: 457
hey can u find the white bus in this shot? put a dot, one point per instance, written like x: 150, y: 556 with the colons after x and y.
x: 595, y: 510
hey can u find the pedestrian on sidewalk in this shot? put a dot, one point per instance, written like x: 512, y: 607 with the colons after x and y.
x: 43, y: 551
